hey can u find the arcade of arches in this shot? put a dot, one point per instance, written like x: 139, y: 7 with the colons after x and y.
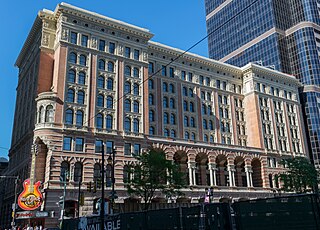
x: 220, y: 168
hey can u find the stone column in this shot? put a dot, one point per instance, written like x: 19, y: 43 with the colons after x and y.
x: 248, y: 175
x: 231, y: 175
x: 190, y: 168
x: 194, y: 173
x: 213, y: 176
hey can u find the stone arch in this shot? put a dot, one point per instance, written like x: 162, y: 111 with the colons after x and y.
x: 202, y: 173
x: 181, y: 159
x: 256, y: 173
x: 240, y: 175
x: 222, y: 172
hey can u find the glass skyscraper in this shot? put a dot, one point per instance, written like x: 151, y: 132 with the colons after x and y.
x: 284, y: 35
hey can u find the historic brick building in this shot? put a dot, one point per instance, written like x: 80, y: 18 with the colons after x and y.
x: 86, y: 79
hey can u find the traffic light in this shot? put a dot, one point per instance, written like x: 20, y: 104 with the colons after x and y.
x: 61, y: 200
x: 89, y: 186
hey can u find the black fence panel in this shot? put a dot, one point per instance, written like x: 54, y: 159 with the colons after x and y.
x: 133, y: 221
x: 218, y: 216
x: 190, y: 217
x: 163, y: 219
x: 292, y: 212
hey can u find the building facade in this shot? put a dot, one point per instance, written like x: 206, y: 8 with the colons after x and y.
x: 284, y: 35
x: 86, y: 80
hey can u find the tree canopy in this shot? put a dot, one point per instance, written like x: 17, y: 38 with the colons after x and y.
x: 154, y: 172
x: 300, y: 177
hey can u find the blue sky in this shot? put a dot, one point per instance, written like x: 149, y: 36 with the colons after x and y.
x: 177, y: 23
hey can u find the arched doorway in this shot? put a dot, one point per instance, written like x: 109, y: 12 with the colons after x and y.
x: 240, y: 175
x: 256, y: 173
x: 202, y: 172
x: 181, y: 158
x: 222, y: 172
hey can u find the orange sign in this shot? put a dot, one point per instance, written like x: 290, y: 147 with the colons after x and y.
x: 31, y: 197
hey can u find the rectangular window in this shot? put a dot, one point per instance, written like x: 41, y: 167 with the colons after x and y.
x: 84, y: 40
x: 258, y: 87
x: 67, y: 141
x: 224, y: 85
x: 171, y: 72
x: 136, y: 54
x: 263, y: 88
x: 136, y: 149
x: 218, y: 84
x: 98, y: 148
x: 285, y: 94
x: 190, y: 77
x: 109, y: 146
x: 127, y: 52
x: 272, y: 90
x: 151, y: 68
x: 183, y: 75
x: 102, y: 45
x: 127, y: 149
x: 73, y: 38
x: 112, y: 47
x: 79, y: 144
x: 164, y: 70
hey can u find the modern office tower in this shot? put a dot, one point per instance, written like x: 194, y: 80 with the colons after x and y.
x: 86, y: 80
x: 284, y: 35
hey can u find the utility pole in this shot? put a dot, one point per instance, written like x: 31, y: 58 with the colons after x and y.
x: 102, y: 190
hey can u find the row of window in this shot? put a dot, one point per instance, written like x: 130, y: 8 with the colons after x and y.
x: 73, y: 78
x: 275, y: 92
x: 74, y: 59
x: 102, y: 65
x: 71, y: 96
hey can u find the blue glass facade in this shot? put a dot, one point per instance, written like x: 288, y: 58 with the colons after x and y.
x: 282, y: 34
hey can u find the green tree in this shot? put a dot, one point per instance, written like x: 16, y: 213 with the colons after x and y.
x: 300, y: 177
x: 154, y: 173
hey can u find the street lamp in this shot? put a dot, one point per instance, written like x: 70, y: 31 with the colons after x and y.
x: 111, y: 161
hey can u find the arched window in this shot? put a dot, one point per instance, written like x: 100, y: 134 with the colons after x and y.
x: 151, y: 115
x: 126, y: 174
x: 165, y: 102
x: 165, y: 87
x: 77, y: 172
x: 110, y: 84
x: 211, y: 125
x: 127, y: 70
x: 110, y: 66
x: 83, y: 60
x: 208, y: 96
x: 205, y: 138
x: 82, y: 78
x: 225, y: 100
x: 186, y: 135
x: 127, y: 105
x: 190, y: 92
x: 70, y: 95
x: 72, y: 76
x: 191, y: 107
x: 209, y: 110
x: 73, y: 58
x: 127, y: 87
x: 136, y: 125
x: 100, y: 100
x: 172, y: 119
x: 172, y: 104
x: 79, y: 118
x: 205, y: 124
x: 64, y: 170
x: 171, y: 88
x: 192, y: 123
x: 41, y: 114
x: 136, y: 107
x: 185, y: 105
x: 135, y: 89
x: 186, y: 121
x: 109, y: 102
x: 202, y: 95
x: 211, y: 139
x: 69, y: 116
x: 193, y: 136
x: 49, y: 114
x: 100, y: 82
x: 150, y: 84
x: 109, y: 122
x: 204, y: 109
x: 135, y: 72
x: 166, y: 132
x: 207, y: 81
x: 151, y: 101
x: 185, y: 91
x: 81, y: 97
x: 173, y: 133
x: 127, y: 124
x: 102, y: 64
x: 151, y: 130
x: 226, y: 113
x: 99, y: 121
x: 165, y: 118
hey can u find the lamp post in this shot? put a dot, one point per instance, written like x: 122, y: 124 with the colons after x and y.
x: 14, y: 206
x: 111, y: 161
